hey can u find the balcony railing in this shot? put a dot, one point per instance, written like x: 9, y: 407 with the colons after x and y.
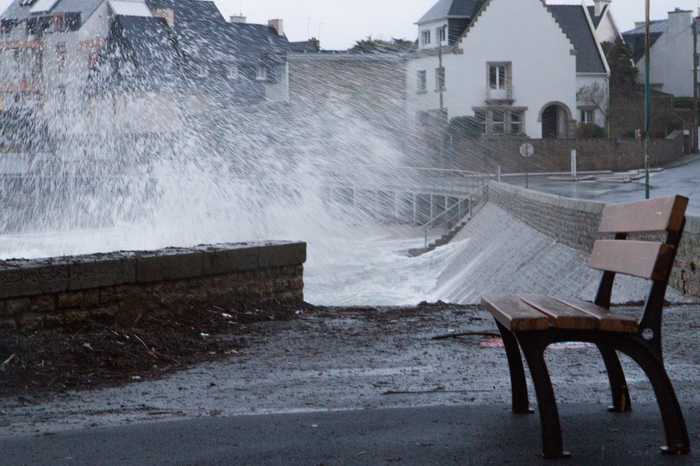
x: 503, y: 96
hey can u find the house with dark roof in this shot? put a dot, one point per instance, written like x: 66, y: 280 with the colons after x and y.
x: 512, y: 68
x: 603, y: 21
x: 70, y: 49
x: 671, y: 51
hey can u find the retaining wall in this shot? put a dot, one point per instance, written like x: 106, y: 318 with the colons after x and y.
x: 574, y: 222
x: 123, y: 286
x: 554, y: 155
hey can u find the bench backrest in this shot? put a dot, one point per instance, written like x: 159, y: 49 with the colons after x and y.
x: 651, y: 260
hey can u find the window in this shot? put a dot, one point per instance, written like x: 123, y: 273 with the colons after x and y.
x: 587, y: 116
x: 440, y: 79
x: 422, y: 85
x: 425, y: 36
x: 480, y: 118
x: 7, y: 25
x: 232, y: 72
x: 37, y: 57
x: 498, y: 123
x: 498, y: 76
x: 442, y: 34
x: 61, y: 56
x: 516, y: 123
x: 261, y: 73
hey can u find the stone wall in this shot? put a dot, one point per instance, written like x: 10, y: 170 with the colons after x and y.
x: 575, y: 223
x: 554, y: 155
x: 122, y: 286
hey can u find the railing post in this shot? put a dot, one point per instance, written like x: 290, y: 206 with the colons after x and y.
x: 498, y: 173
x: 470, y: 207
x: 415, y: 208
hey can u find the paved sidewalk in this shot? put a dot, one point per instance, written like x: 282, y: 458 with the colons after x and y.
x: 474, y: 435
x: 377, y: 387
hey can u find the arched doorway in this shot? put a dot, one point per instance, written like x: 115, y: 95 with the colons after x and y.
x: 555, y: 117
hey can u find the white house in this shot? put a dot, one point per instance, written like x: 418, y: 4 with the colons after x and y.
x: 605, y: 26
x: 516, y: 67
x: 671, y: 52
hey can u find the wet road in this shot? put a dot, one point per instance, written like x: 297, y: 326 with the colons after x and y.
x: 415, y: 436
x: 683, y: 180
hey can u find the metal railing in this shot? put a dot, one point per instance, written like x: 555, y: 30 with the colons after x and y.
x: 427, y: 227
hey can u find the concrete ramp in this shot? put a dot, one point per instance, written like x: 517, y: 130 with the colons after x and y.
x: 497, y: 254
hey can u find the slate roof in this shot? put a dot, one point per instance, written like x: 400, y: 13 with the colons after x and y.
x: 204, y: 34
x: 635, y: 38
x: 85, y: 7
x: 451, y: 9
x: 596, y: 19
x: 573, y: 21
x: 151, y: 50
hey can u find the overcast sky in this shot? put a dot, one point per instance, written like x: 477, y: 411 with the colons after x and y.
x: 339, y: 23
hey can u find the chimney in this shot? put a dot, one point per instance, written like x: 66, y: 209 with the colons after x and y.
x: 679, y: 20
x: 600, y: 6
x: 168, y: 14
x: 239, y: 19
x: 277, y: 25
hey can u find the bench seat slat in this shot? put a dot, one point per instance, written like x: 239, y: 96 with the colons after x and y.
x: 514, y: 314
x: 644, y: 259
x: 608, y: 321
x: 562, y: 315
x: 664, y: 214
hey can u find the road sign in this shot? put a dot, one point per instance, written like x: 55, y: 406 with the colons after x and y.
x: 527, y: 150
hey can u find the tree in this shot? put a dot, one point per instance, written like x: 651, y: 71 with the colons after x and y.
x: 596, y: 97
x: 370, y: 45
x: 623, y: 72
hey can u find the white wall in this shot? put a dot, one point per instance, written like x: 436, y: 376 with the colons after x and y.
x: 522, y: 32
x: 672, y: 57
x: 433, y: 28
x: 607, y: 30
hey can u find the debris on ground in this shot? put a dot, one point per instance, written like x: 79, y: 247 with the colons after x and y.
x: 93, y: 354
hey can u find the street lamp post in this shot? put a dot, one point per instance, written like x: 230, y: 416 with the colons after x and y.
x: 694, y: 132
x: 647, y: 98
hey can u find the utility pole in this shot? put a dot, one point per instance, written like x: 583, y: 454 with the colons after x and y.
x: 694, y: 133
x: 440, y: 81
x: 647, y: 98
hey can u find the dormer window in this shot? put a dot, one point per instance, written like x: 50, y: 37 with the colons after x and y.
x: 425, y: 37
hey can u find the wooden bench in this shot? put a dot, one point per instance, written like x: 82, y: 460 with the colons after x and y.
x: 532, y: 323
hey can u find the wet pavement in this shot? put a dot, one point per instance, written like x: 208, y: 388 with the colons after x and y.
x: 683, y: 180
x: 342, y: 367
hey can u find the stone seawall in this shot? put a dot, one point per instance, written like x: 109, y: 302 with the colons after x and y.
x: 554, y: 155
x: 574, y: 223
x: 122, y: 286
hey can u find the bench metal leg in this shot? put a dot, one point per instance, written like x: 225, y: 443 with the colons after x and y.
x: 677, y: 441
x: 616, y: 376
x: 518, y: 385
x: 552, y: 445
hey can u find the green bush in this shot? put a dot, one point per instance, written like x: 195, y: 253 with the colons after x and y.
x: 591, y: 131
x: 465, y: 127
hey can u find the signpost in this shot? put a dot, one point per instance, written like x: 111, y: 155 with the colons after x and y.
x: 527, y: 150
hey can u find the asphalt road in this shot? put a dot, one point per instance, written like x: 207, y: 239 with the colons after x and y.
x: 413, y: 436
x: 683, y: 179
